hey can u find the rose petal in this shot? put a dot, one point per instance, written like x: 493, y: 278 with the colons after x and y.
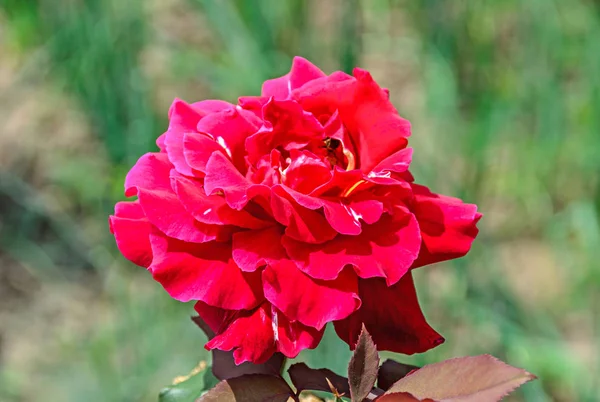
x: 286, y: 125
x: 302, y: 72
x: 205, y: 272
x: 306, y: 171
x: 448, y: 226
x: 160, y: 143
x: 150, y: 180
x: 211, y: 209
x: 129, y: 210
x: 184, y: 116
x: 165, y: 211
x: 222, y: 175
x: 183, y: 119
x: 253, y: 104
x: 373, y: 122
x: 229, y: 129
x: 131, y: 230
x: 255, y: 335
x: 254, y: 248
x: 376, y: 129
x: 343, y: 215
x: 310, y: 301
x: 151, y: 171
x: 197, y: 149
x: 301, y: 223
x: 392, y: 316
x: 250, y: 336
x: 293, y: 336
x: 216, y: 318
x: 174, y: 144
x: 386, y: 249
x: 367, y: 209
x: 322, y: 96
x: 342, y: 184
x: 398, y: 162
x: 209, y: 106
x: 267, y: 170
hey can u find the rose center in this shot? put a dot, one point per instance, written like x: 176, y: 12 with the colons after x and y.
x: 332, y: 147
x: 337, y: 155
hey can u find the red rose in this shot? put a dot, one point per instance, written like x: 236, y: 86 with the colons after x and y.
x: 291, y: 210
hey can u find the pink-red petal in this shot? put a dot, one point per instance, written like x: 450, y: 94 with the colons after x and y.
x: 254, y: 248
x: 151, y: 171
x: 301, y: 223
x: 345, y: 215
x: 286, y: 125
x: 306, y: 172
x: 211, y: 209
x: 398, y: 162
x: 302, y: 72
x: 339, y: 213
x: 216, y: 318
x: 131, y: 230
x: 310, y: 301
x: 386, y: 249
x: 205, y: 272
x: 183, y: 119
x: 258, y: 334
x: 448, y: 226
x: 221, y: 175
x: 160, y: 143
x: 197, y: 149
x: 229, y: 129
x: 376, y: 129
x: 250, y: 335
x: 167, y: 214
x: 375, y: 126
x: 293, y: 336
x: 174, y: 142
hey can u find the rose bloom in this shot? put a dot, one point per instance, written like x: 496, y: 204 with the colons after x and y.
x: 291, y: 210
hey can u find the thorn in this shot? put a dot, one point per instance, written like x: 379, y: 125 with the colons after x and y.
x: 334, y: 391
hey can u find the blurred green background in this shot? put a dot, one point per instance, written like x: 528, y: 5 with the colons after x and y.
x: 504, y: 97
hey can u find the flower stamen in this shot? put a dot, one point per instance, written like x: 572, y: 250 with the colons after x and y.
x: 352, y: 188
x: 351, y: 161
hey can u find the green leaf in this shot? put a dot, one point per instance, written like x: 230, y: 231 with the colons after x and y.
x: 189, y: 388
x: 463, y: 379
x: 250, y: 388
x: 363, y: 367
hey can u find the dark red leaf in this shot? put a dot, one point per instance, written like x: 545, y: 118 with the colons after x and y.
x: 204, y: 327
x: 464, y: 379
x: 402, y: 397
x: 250, y: 388
x: 363, y: 367
x: 306, y: 378
x: 391, y: 371
x: 224, y: 368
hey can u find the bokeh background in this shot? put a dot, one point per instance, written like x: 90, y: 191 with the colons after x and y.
x: 504, y: 97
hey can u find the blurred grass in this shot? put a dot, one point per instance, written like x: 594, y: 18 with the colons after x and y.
x: 504, y: 98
